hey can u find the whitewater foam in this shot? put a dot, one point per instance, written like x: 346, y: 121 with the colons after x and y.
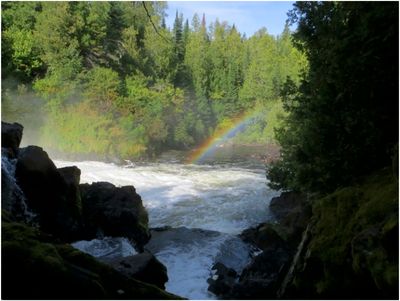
x: 223, y: 199
x: 189, y: 255
x: 218, y: 198
x: 107, y: 247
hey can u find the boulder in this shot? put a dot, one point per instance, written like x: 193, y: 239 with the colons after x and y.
x: 264, y: 236
x: 262, y: 277
x: 11, y: 136
x: 222, y: 280
x: 144, y: 267
x: 165, y: 237
x: 34, y: 267
x: 292, y: 213
x: 72, y: 176
x: 114, y: 211
x: 352, y: 247
x: 283, y: 206
x: 47, y: 193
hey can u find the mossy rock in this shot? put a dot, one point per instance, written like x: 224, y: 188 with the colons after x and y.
x: 33, y: 268
x: 353, y: 250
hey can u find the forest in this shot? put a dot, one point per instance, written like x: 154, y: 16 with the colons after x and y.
x: 108, y: 79
x: 95, y: 83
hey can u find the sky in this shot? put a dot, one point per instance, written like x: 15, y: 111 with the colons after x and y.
x: 248, y: 16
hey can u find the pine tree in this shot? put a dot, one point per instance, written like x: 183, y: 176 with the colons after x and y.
x: 186, y: 32
x: 163, y: 24
x: 178, y: 38
x: 203, y: 21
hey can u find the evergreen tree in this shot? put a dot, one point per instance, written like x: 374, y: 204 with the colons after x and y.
x: 179, y: 48
x: 163, y: 24
x: 136, y: 86
x: 343, y: 117
x: 186, y: 32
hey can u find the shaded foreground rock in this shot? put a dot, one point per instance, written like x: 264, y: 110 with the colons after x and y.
x: 71, y: 211
x: 35, y: 263
x: 48, y: 194
x: 35, y: 268
x: 161, y: 238
x: 222, y: 280
x: 348, y: 250
x: 144, y: 267
x: 277, y: 242
x: 292, y: 212
x: 115, y: 211
x: 352, y: 249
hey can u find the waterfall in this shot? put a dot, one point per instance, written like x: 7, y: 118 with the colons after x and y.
x: 13, y: 199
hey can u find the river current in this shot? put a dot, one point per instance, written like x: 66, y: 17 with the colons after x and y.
x: 209, y: 204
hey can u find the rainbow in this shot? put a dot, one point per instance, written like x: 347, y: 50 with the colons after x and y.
x: 227, y: 130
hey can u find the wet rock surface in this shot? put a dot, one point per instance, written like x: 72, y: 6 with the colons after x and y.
x: 34, y: 267
x: 277, y: 242
x: 36, y: 261
x: 115, y: 211
x: 47, y: 193
x: 222, y: 280
x: 144, y: 267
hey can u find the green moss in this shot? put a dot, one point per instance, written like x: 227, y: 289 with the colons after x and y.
x: 58, y: 271
x: 349, y: 237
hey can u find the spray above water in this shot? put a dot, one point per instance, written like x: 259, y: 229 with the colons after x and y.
x: 221, y: 135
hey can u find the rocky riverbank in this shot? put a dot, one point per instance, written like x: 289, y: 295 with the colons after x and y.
x: 45, y: 208
x: 341, y: 246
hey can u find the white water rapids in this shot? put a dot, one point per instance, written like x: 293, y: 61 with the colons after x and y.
x: 226, y: 199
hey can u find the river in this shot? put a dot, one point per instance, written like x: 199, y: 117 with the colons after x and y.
x: 209, y: 204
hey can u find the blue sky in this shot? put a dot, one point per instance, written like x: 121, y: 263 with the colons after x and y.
x: 248, y: 16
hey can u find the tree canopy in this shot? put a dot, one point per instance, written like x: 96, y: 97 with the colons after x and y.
x: 342, y: 117
x: 113, y: 80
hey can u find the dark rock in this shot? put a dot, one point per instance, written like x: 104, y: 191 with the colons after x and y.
x: 116, y: 211
x: 351, y: 246
x: 33, y: 268
x: 160, y: 229
x: 222, y: 280
x: 72, y: 176
x: 47, y: 193
x: 262, y: 277
x: 11, y: 136
x: 264, y: 236
x: 164, y: 238
x: 144, y: 267
x: 292, y: 212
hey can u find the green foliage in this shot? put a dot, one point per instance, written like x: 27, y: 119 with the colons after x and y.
x: 261, y: 129
x: 20, y: 52
x: 226, y: 52
x: 113, y: 85
x: 343, y: 115
x: 102, y: 87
